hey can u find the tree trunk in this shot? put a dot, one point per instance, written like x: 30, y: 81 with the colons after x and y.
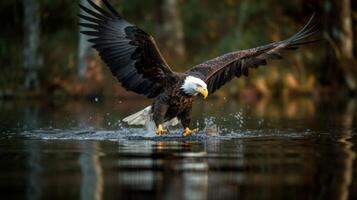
x: 338, y: 73
x: 85, y: 52
x: 173, y: 29
x: 346, y: 29
x: 32, y: 57
x: 346, y: 44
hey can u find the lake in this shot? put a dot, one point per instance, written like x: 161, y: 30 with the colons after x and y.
x: 267, y: 149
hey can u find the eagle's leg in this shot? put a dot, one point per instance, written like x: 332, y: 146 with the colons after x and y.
x: 159, y: 112
x: 185, y: 118
x: 161, y: 131
x: 188, y: 131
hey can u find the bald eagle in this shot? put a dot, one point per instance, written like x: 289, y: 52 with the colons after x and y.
x: 135, y: 60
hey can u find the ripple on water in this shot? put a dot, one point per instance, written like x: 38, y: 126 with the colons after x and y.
x: 142, y: 134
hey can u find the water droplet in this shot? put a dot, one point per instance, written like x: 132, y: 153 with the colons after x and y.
x: 119, y: 124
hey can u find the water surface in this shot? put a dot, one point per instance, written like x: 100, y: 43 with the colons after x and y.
x: 297, y: 149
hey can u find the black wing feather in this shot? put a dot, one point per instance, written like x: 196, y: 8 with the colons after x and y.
x: 112, y: 10
x: 214, y: 72
x: 130, y: 53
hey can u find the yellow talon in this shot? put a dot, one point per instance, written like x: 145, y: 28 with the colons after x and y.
x: 161, y: 131
x: 189, y: 132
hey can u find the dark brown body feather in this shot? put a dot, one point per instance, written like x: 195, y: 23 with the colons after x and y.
x: 134, y: 59
x: 173, y: 102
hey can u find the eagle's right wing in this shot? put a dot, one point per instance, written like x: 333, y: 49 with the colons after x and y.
x: 218, y: 71
x: 130, y: 53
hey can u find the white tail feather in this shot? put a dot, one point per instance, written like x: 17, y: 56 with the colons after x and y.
x: 144, y: 118
x: 139, y: 118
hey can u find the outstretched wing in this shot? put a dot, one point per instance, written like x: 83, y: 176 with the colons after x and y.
x: 130, y: 53
x: 218, y: 71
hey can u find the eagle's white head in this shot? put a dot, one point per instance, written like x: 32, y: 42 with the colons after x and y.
x: 194, y: 86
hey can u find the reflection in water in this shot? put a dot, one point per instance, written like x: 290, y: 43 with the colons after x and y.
x: 196, y: 181
x: 34, y: 170
x: 140, y: 177
x: 168, y: 168
x: 187, y: 173
x: 350, y: 155
x: 92, y: 174
x: 288, y: 150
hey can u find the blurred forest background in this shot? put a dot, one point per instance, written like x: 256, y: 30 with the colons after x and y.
x: 43, y: 54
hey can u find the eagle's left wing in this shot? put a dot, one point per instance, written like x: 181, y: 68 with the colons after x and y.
x: 218, y: 71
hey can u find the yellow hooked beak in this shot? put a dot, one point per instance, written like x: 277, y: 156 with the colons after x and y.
x: 203, y: 91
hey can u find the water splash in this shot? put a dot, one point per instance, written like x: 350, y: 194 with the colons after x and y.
x: 119, y: 130
x: 239, y: 118
x: 141, y: 134
x: 211, y: 128
x: 150, y: 128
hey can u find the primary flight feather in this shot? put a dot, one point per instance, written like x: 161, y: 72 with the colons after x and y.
x: 135, y: 60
